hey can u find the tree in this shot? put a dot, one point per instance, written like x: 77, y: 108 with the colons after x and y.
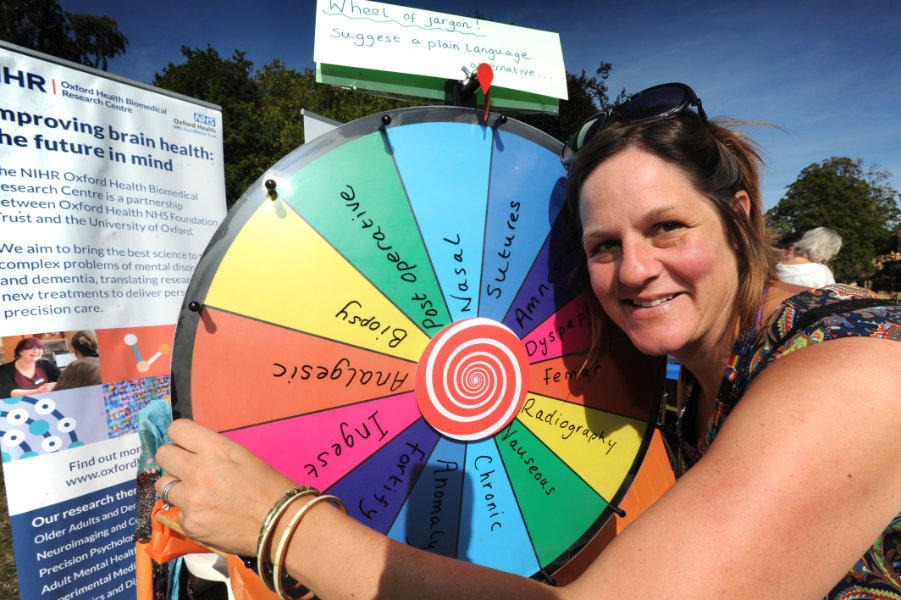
x: 860, y: 206
x: 261, y: 109
x: 284, y: 92
x: 229, y: 83
x: 586, y: 96
x: 44, y: 26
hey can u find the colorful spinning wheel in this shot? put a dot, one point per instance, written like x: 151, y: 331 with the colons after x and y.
x: 383, y: 316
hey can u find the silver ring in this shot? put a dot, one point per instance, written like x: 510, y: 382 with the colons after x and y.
x: 165, y: 494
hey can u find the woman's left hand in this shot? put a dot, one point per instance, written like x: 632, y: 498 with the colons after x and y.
x: 213, y: 509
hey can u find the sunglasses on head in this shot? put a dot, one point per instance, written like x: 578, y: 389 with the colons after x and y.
x: 653, y: 104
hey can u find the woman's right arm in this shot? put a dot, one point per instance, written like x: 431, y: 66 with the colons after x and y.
x: 796, y: 487
x: 226, y: 493
x: 41, y: 389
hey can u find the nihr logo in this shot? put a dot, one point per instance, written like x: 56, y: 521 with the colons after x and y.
x: 23, y: 79
x: 204, y: 120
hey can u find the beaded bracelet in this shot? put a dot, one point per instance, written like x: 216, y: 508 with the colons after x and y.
x: 298, y: 591
x: 264, y: 568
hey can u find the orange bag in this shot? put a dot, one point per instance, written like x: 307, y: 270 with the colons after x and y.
x: 245, y: 584
x: 165, y: 543
x: 143, y: 572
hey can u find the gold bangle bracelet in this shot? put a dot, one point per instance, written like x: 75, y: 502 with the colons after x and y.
x: 298, y: 591
x: 264, y: 567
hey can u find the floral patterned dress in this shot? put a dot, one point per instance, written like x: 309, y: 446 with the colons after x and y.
x: 811, y: 317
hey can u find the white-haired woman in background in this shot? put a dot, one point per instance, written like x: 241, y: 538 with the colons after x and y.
x: 806, y: 264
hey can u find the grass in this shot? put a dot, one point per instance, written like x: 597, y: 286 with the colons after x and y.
x: 9, y: 582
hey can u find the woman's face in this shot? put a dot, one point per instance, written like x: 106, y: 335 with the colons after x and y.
x: 658, y: 257
x: 33, y: 353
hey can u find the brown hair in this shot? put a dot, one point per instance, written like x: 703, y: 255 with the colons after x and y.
x: 28, y: 343
x: 84, y: 343
x: 718, y: 162
x: 80, y: 373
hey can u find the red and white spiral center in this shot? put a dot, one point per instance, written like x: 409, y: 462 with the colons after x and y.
x: 472, y: 379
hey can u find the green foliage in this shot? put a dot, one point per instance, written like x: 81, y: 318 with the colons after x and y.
x: 586, y: 96
x: 9, y: 583
x: 229, y: 83
x: 859, y: 205
x: 285, y: 92
x: 44, y: 26
x: 261, y: 109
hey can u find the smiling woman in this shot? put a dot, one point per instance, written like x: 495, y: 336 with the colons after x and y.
x: 797, y: 497
x: 678, y: 257
x: 659, y: 261
x: 28, y: 373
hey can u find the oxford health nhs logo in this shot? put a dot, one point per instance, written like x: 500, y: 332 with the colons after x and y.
x: 23, y: 79
x: 204, y: 120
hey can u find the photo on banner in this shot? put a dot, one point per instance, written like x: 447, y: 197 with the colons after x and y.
x: 109, y: 192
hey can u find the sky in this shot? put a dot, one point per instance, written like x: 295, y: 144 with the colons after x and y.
x: 825, y: 75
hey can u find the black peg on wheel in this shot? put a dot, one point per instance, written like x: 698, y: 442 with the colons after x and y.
x: 386, y: 120
x: 270, y: 187
x: 195, y: 306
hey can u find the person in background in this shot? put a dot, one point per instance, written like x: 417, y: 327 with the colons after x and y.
x: 84, y: 344
x: 805, y: 265
x: 786, y: 247
x: 80, y: 373
x: 28, y: 373
x: 790, y: 487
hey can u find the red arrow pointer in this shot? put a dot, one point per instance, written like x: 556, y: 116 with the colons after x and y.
x: 486, y: 76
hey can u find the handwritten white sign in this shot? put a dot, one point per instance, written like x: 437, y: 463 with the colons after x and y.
x: 385, y: 37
